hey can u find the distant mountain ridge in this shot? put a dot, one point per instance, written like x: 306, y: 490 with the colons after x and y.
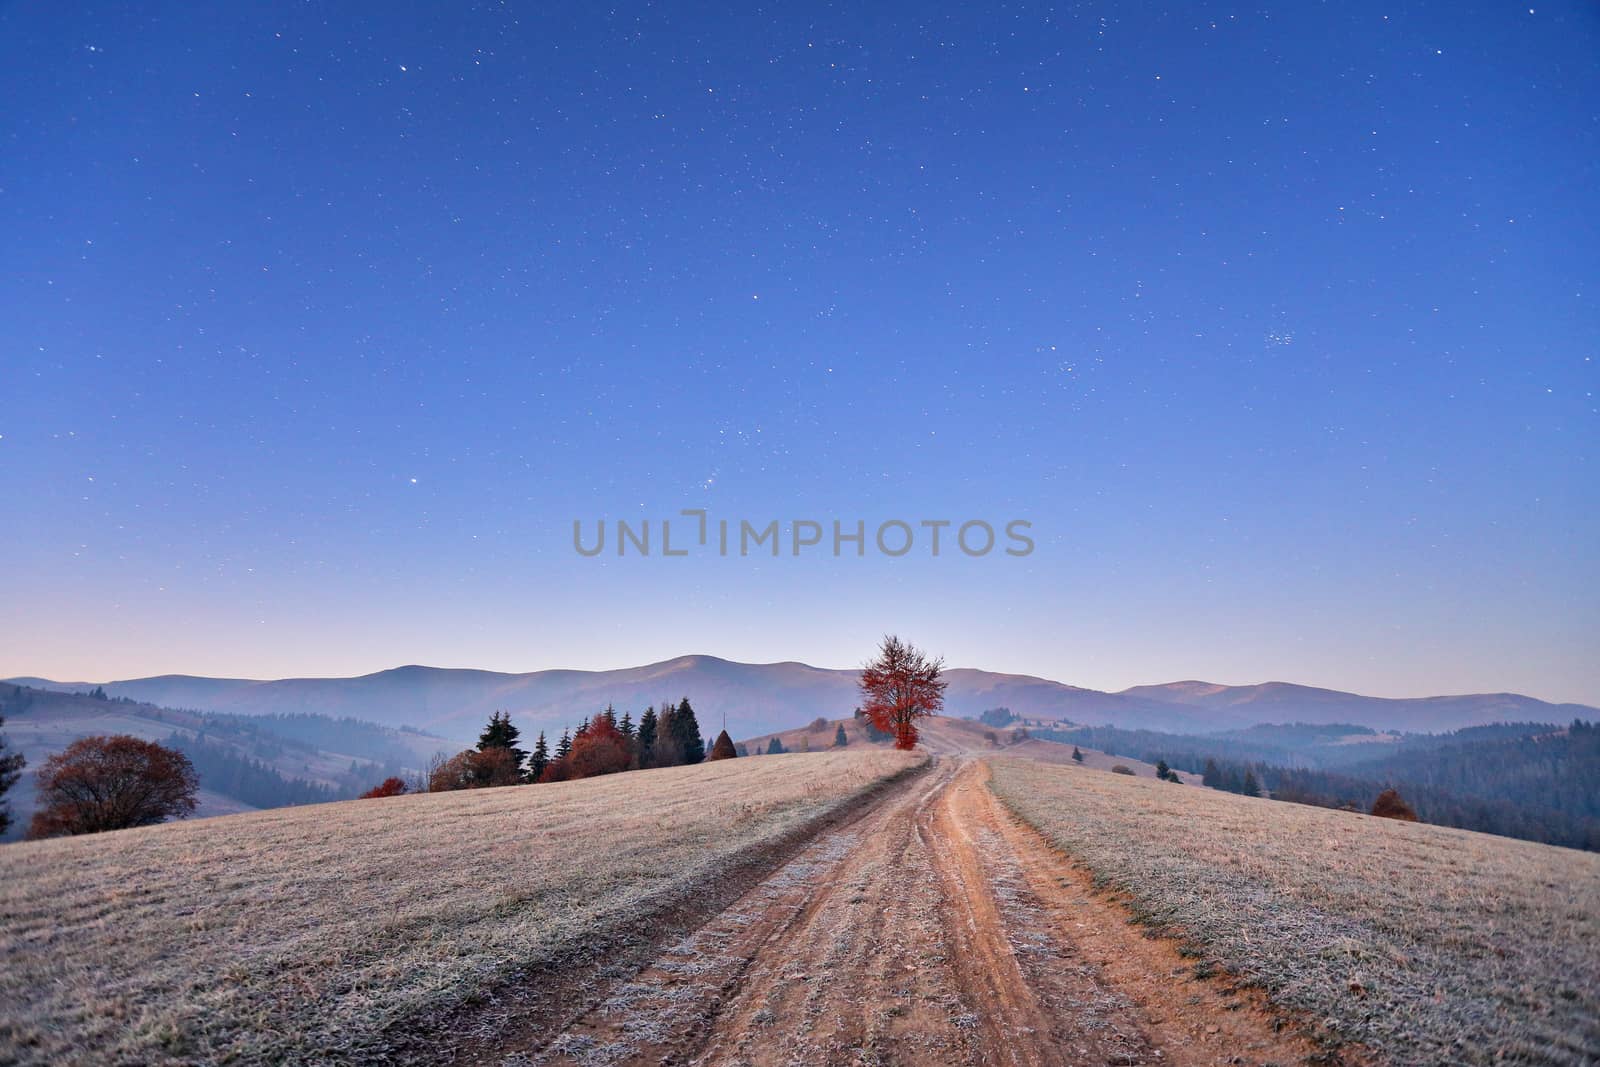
x: 760, y: 698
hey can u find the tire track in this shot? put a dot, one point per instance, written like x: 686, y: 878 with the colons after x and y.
x: 932, y: 930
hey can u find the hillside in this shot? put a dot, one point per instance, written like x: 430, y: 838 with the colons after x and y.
x: 1282, y: 702
x: 356, y: 932
x: 1429, y: 945
x: 942, y: 735
x: 243, y: 763
x: 766, y: 697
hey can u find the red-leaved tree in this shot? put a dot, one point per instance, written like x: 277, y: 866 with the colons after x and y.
x: 900, y: 686
x: 389, y: 787
x: 600, y: 749
x: 112, y: 783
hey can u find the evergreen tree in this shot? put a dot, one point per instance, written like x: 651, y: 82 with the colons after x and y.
x: 840, y: 738
x: 686, y: 731
x: 500, y: 733
x: 1163, y: 772
x: 10, y: 769
x: 1213, y: 774
x: 626, y: 727
x: 775, y: 747
x: 1251, y: 788
x: 610, y: 716
x: 540, y: 758
x: 564, y: 746
x: 647, y: 737
x: 581, y: 732
x: 1077, y: 757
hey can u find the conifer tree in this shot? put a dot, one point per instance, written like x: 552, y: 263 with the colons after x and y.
x: 539, y: 760
x: 840, y: 738
x: 1077, y: 756
x: 775, y: 747
x: 668, y: 747
x: 581, y: 731
x: 646, y: 742
x: 564, y: 746
x: 610, y: 716
x: 1213, y: 774
x: 1252, y: 788
x: 10, y: 769
x: 500, y: 733
x: 626, y: 727
x: 686, y: 728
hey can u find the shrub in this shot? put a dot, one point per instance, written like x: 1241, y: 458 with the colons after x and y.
x: 389, y: 787
x: 1121, y: 769
x: 817, y: 725
x: 475, y: 769
x: 112, y: 783
x: 1390, y: 806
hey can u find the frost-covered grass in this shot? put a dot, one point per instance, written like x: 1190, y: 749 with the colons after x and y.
x: 1428, y: 944
x: 340, y: 931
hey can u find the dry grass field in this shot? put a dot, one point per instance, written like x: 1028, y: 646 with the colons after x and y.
x: 1429, y: 945
x: 350, y: 932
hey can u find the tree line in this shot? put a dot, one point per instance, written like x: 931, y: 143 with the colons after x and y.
x: 604, y: 743
x: 1530, y: 781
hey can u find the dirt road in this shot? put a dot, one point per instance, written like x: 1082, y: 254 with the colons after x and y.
x: 934, y: 929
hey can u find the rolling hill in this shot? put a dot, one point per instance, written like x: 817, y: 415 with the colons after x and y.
x: 765, y: 697
x: 244, y: 763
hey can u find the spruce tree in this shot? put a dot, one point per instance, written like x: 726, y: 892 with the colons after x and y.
x: 500, y: 733
x: 610, y: 716
x: 582, y: 730
x: 647, y: 737
x: 539, y: 760
x: 564, y: 746
x: 840, y: 738
x: 686, y: 730
x: 1162, y: 770
x: 10, y: 769
x: 1213, y: 774
x: 1077, y: 757
x: 1251, y: 788
x: 626, y: 727
x: 775, y: 747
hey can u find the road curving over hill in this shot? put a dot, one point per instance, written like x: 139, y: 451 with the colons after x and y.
x: 932, y: 930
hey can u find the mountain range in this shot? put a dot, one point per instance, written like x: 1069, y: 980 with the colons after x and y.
x: 758, y: 698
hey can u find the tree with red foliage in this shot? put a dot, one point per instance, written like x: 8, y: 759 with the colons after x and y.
x: 1390, y: 806
x: 901, y: 686
x: 112, y: 783
x: 599, y: 748
x: 389, y: 787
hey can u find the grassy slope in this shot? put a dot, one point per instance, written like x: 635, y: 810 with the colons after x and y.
x: 946, y: 734
x: 338, y: 930
x: 1429, y: 944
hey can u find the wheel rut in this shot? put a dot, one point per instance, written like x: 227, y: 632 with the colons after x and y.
x: 932, y: 930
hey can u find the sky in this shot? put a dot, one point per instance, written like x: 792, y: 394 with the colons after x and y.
x: 323, y: 324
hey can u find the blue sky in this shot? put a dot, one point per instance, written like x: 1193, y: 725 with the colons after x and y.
x: 1277, y: 323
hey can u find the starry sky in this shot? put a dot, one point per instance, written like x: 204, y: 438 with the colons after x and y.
x: 323, y: 323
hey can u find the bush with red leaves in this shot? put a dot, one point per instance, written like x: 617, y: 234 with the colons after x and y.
x: 112, y: 783
x: 389, y: 787
x: 1390, y: 806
